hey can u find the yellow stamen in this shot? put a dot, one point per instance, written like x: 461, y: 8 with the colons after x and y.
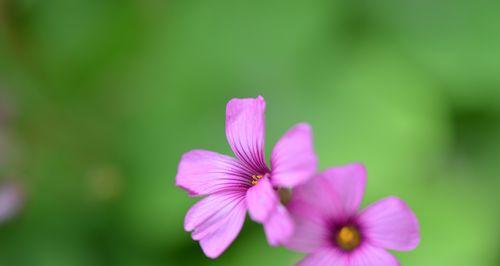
x: 255, y: 179
x: 348, y: 238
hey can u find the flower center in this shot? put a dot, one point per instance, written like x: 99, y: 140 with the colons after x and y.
x: 348, y: 238
x: 255, y: 179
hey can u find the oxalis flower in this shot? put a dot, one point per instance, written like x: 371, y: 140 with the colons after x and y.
x: 234, y: 185
x: 331, y: 229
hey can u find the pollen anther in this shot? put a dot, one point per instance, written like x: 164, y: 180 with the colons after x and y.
x: 255, y: 179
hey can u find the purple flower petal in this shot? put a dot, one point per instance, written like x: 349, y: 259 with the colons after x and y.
x: 349, y: 183
x: 204, y: 172
x: 279, y: 227
x: 309, y: 233
x: 368, y: 255
x: 245, y: 131
x: 325, y: 257
x: 293, y: 160
x: 216, y: 221
x: 261, y: 200
x: 335, y: 193
x: 315, y: 200
x: 390, y: 223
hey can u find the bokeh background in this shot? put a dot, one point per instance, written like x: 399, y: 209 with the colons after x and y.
x: 99, y: 99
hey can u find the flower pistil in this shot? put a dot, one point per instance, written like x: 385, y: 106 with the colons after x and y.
x: 348, y: 238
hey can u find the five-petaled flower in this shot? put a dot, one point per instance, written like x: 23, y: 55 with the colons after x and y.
x: 329, y: 227
x: 234, y: 185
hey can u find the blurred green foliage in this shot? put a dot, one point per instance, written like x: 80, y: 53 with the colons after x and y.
x: 105, y: 96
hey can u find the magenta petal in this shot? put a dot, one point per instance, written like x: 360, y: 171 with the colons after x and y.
x: 326, y: 257
x: 315, y: 200
x: 216, y: 243
x: 245, y: 131
x: 293, y: 160
x: 216, y: 221
x: 368, y: 255
x: 261, y: 200
x: 390, y: 223
x: 335, y: 193
x: 279, y: 226
x: 310, y: 231
x: 203, y: 172
x: 348, y: 184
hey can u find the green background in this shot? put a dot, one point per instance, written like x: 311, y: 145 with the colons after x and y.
x: 103, y: 98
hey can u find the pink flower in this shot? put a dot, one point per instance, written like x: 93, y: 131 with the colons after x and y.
x: 234, y: 185
x: 333, y: 232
